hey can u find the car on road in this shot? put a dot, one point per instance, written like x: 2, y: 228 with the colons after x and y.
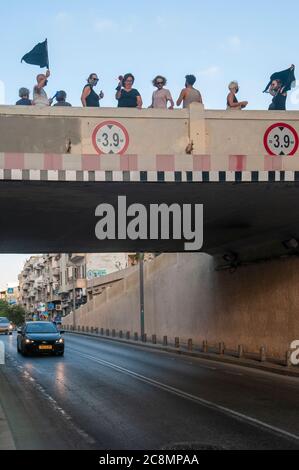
x: 5, y: 326
x: 40, y: 337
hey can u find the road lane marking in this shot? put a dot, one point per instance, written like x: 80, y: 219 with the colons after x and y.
x: 50, y: 400
x: 188, y: 396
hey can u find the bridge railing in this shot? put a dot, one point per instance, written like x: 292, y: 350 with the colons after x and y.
x: 112, y: 139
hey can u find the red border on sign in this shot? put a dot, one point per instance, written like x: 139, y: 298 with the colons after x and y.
x: 281, y: 124
x: 108, y: 123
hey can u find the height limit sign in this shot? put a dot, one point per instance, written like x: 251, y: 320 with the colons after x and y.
x: 110, y: 137
x: 281, y: 139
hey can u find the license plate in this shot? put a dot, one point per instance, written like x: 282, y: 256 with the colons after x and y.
x: 45, y: 347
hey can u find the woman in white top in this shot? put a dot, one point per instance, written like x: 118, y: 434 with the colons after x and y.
x: 40, y: 97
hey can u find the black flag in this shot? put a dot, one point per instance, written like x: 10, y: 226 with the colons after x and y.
x: 287, y: 77
x: 38, y: 55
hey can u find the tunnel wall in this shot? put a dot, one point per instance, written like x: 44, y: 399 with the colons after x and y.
x: 255, y: 306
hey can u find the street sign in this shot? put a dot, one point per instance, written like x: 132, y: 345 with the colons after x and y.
x: 110, y: 137
x: 281, y: 139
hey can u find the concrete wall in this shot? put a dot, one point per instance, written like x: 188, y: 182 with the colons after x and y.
x: 152, y: 134
x: 256, y: 306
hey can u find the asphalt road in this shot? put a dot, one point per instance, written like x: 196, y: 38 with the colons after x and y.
x: 106, y: 395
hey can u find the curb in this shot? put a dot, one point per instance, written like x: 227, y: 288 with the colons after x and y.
x: 6, y: 439
x: 251, y: 364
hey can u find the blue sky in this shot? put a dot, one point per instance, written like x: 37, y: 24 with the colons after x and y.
x: 217, y: 41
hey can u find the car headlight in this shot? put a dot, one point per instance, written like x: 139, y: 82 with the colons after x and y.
x: 10, y: 327
x: 29, y: 341
x: 60, y: 341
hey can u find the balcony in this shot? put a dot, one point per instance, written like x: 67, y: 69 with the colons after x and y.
x: 77, y: 257
x: 56, y: 271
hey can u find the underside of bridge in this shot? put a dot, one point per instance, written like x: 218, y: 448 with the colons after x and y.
x: 246, y: 221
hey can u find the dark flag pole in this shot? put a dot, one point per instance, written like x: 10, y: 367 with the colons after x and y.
x: 38, y: 55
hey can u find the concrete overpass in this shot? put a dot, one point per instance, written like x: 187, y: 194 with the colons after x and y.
x: 57, y: 165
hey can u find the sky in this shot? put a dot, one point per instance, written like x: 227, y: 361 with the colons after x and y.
x: 217, y: 41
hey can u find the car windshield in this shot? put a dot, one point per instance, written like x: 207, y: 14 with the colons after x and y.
x: 41, y: 328
x: 4, y: 320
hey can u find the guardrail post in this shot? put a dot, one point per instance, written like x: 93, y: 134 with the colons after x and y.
x: 177, y: 342
x: 96, y: 330
x: 107, y: 332
x: 165, y: 341
x: 92, y: 329
x: 240, y: 351
x: 154, y: 339
x: 113, y: 333
x: 263, y: 354
x: 128, y: 334
x: 121, y: 334
x: 87, y: 329
x: 205, y: 346
x: 221, y: 348
x: 190, y: 345
x: 135, y: 336
x: 288, y: 358
x: 83, y: 329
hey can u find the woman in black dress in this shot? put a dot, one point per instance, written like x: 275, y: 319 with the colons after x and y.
x: 90, y: 98
x: 126, y: 95
x: 232, y: 101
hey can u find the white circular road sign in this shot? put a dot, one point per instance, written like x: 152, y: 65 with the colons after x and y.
x: 281, y: 139
x: 110, y: 137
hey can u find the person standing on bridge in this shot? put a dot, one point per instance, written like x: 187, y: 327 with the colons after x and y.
x: 232, y: 101
x: 189, y: 94
x: 126, y: 95
x: 161, y: 96
x: 279, y: 85
x: 24, y: 95
x: 89, y: 98
x: 61, y: 99
x: 40, y: 97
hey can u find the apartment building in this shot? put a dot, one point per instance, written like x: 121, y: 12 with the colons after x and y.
x: 54, y: 284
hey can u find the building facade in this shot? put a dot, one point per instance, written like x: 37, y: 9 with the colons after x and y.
x: 52, y: 285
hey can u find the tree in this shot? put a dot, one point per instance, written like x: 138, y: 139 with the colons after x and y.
x: 4, y: 308
x: 14, y: 313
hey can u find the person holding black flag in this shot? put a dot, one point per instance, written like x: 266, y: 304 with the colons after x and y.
x: 40, y: 97
x: 279, y: 85
x: 39, y: 56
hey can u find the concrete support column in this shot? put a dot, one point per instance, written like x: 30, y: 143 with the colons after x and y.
x: 197, y: 128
